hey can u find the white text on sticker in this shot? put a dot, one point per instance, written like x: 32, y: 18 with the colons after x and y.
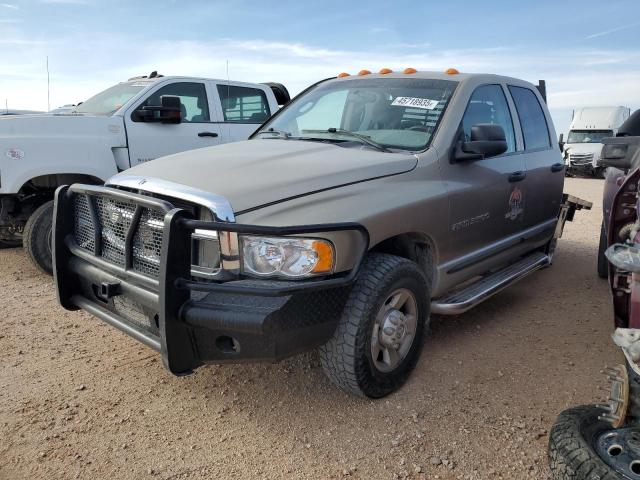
x: 414, y: 102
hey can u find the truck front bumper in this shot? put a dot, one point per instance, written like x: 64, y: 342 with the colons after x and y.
x: 191, y: 322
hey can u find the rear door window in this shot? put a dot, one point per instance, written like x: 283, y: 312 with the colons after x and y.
x: 243, y: 104
x: 488, y: 104
x: 532, y: 120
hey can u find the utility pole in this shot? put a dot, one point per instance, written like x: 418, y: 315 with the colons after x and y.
x: 48, y: 94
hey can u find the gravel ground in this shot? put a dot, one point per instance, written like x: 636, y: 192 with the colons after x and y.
x: 78, y: 399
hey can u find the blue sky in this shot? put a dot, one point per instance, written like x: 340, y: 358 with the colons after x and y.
x: 588, y: 51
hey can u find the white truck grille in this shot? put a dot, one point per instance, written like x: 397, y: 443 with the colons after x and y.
x: 581, y: 158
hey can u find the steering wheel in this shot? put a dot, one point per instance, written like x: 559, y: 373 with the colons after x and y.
x: 418, y: 128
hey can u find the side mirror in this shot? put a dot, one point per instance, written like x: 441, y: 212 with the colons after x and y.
x: 170, y: 111
x: 487, y: 140
x: 618, y: 152
x: 561, y: 142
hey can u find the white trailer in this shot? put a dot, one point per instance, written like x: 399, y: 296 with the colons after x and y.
x: 129, y: 123
x: 589, y: 126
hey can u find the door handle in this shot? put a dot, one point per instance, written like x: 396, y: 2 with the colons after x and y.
x: 207, y: 134
x: 517, y: 176
x: 557, y: 167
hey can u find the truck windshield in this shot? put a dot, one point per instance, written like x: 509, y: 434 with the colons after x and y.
x: 384, y: 113
x: 588, y: 136
x: 110, y: 100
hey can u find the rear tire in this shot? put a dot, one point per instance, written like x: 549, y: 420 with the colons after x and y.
x: 385, y: 316
x: 37, y: 237
x: 603, y: 264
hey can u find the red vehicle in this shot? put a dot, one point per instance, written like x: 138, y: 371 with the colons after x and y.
x: 603, y: 441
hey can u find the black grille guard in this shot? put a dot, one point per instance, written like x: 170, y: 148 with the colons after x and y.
x: 170, y: 294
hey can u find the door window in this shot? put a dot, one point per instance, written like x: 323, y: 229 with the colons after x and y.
x: 193, y: 100
x: 243, y: 104
x: 532, y: 120
x: 488, y: 104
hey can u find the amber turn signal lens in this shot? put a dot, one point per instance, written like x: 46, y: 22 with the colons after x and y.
x: 325, y: 257
x: 451, y: 71
x: 384, y: 71
x: 343, y: 74
x: 364, y: 72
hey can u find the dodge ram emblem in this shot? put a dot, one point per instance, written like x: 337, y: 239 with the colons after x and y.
x: 15, y: 154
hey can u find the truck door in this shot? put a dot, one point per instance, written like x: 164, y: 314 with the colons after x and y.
x: 150, y: 140
x: 544, y: 165
x: 243, y: 108
x: 486, y: 196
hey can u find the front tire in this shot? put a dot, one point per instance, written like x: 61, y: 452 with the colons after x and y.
x: 603, y: 264
x: 379, y: 337
x: 37, y: 237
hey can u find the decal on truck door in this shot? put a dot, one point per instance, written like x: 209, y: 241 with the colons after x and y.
x: 15, y: 154
x: 516, y: 204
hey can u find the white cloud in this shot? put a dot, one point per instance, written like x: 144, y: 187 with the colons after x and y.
x: 9, y: 6
x: 612, y: 30
x: 575, y: 77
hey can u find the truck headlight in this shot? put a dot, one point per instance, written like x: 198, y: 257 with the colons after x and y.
x: 288, y: 257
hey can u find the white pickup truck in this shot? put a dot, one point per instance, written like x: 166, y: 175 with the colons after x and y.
x: 130, y: 123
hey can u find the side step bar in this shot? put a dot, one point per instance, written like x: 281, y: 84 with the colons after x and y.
x: 461, y: 300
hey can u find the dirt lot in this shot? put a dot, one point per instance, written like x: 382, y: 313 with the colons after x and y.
x: 78, y: 399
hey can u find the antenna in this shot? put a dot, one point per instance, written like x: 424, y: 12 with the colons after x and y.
x: 6, y: 105
x: 228, y: 97
x: 48, y: 90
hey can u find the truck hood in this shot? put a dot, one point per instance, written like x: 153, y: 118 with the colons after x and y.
x: 36, y: 145
x: 53, y: 125
x: 254, y: 173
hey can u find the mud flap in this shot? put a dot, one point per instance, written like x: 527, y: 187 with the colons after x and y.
x: 568, y: 208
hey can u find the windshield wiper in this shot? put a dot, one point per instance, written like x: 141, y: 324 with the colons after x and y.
x: 348, y: 133
x: 279, y: 133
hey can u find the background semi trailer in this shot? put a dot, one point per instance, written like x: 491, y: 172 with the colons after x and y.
x: 589, y: 126
x: 129, y: 123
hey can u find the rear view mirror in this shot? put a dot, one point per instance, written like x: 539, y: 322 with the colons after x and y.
x: 170, y: 111
x: 561, y: 142
x: 619, y: 152
x: 487, y: 140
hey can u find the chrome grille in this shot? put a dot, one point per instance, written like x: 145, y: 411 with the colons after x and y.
x: 114, y: 218
x: 83, y: 221
x: 147, y: 243
x: 581, y: 158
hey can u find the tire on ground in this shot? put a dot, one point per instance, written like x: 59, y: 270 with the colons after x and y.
x: 37, y: 235
x: 346, y: 358
x: 571, y: 452
x: 603, y: 264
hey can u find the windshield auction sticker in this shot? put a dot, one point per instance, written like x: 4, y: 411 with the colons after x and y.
x: 414, y: 102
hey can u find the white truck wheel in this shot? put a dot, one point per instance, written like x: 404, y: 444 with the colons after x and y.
x: 37, y: 237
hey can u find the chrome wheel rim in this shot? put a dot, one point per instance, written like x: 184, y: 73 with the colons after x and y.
x: 394, y: 330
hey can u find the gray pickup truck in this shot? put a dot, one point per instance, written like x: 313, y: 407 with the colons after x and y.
x: 368, y: 203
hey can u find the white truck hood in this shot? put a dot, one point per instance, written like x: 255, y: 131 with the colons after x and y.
x: 35, y: 145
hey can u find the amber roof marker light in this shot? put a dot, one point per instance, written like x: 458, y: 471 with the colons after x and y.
x: 384, y: 71
x: 364, y: 72
x: 451, y: 71
x: 409, y: 70
x: 343, y: 74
